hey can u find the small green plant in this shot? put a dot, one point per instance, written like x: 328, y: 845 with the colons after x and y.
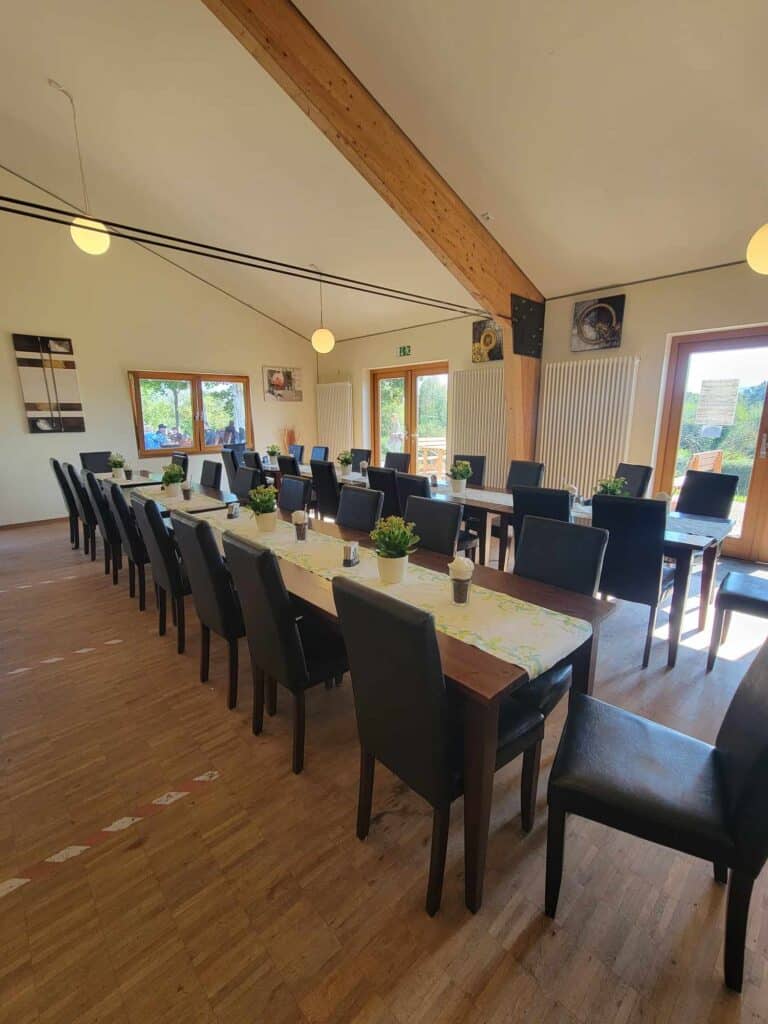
x: 394, y: 538
x: 613, y: 485
x: 273, y: 450
x: 262, y: 500
x: 173, y: 474
x: 116, y: 460
x: 345, y: 458
x: 460, y: 470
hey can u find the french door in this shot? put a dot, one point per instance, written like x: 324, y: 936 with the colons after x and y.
x: 716, y: 419
x: 409, y: 413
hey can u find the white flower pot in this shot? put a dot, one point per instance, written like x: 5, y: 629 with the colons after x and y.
x: 458, y: 486
x: 266, y: 522
x: 173, y: 490
x: 392, y: 570
x: 118, y: 473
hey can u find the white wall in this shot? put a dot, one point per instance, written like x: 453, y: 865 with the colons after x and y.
x: 124, y: 310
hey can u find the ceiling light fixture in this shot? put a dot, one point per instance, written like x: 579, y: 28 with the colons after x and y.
x: 91, y: 236
x: 757, y: 251
x: 323, y: 340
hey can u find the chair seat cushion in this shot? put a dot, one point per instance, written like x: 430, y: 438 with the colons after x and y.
x: 544, y: 692
x: 742, y: 593
x: 640, y: 777
x: 466, y: 540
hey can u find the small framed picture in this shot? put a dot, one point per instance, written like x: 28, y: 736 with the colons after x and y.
x: 597, y: 323
x: 282, y: 384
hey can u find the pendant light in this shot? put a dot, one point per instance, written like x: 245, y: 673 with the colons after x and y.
x: 90, y: 236
x: 757, y: 250
x: 322, y: 339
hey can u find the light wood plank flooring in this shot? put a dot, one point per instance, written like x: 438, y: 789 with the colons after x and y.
x: 250, y: 899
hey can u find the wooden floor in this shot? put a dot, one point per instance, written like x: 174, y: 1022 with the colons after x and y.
x: 249, y: 898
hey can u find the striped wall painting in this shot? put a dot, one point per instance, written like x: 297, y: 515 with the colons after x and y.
x: 49, y: 388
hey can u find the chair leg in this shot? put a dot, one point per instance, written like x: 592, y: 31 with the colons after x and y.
x: 161, y: 610
x: 716, y: 638
x: 117, y: 563
x: 721, y: 872
x: 131, y: 578
x: 329, y: 683
x: 142, y: 587
x: 257, y: 722
x: 555, y: 846
x: 365, y: 793
x: 86, y: 540
x: 233, y: 665
x: 739, y: 893
x: 173, y: 610
x: 726, y: 625
x: 338, y: 678
x: 93, y: 543
x: 74, y: 532
x: 271, y: 697
x: 299, y: 728
x: 205, y: 652
x: 649, y: 634
x: 529, y: 785
x: 441, y: 819
x: 181, y: 635
x: 107, y: 559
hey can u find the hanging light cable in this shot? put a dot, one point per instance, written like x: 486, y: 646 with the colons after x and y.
x: 322, y: 339
x: 89, y: 235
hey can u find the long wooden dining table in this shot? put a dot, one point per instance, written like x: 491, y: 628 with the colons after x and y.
x: 482, y: 679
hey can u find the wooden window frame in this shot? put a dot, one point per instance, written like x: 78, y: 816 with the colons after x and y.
x: 199, y: 447
x: 410, y: 371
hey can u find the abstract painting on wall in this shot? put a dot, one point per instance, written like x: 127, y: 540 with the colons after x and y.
x: 487, y: 342
x: 597, y: 323
x: 49, y: 384
x: 283, y: 384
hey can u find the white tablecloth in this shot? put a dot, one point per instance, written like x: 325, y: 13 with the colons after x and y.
x: 197, y: 503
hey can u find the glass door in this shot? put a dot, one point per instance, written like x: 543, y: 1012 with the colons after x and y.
x: 410, y: 414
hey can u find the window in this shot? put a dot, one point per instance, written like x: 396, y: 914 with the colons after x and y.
x: 193, y: 412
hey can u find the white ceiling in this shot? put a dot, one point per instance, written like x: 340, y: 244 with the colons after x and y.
x: 609, y: 140
x: 184, y: 133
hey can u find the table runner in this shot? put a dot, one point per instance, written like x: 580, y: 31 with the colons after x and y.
x: 197, y: 503
x: 515, y: 631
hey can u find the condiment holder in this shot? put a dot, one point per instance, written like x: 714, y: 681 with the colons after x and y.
x: 233, y: 510
x: 299, y: 520
x: 460, y: 571
x: 351, y: 554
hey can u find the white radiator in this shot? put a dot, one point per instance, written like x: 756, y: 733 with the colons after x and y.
x: 585, y: 417
x: 478, y: 419
x: 334, y: 417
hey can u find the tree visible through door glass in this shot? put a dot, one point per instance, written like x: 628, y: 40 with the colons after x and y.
x: 431, y: 423
x: 391, y: 426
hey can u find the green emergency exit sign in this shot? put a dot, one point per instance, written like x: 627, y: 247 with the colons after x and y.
x: 404, y: 350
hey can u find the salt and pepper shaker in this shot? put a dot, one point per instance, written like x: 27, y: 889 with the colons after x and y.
x: 351, y: 554
x: 233, y: 510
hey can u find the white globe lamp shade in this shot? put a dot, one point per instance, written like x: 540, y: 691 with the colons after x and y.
x: 323, y: 340
x: 757, y: 250
x: 95, y: 243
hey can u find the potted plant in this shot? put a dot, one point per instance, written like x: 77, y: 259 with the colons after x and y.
x: 616, y: 485
x: 117, y: 465
x: 393, y: 540
x: 262, y: 501
x: 172, y: 478
x: 459, y: 473
x: 344, y: 459
x: 273, y: 450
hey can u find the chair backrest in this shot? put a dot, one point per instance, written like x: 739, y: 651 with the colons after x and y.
x: 96, y: 462
x: 268, y: 612
x: 181, y: 459
x: 246, y: 480
x: 404, y: 715
x: 216, y: 602
x: 401, y: 461
x: 524, y: 474
x: 707, y: 494
x: 295, y: 494
x: 64, y: 486
x: 231, y: 466
x: 163, y: 557
x: 326, y: 487
x: 288, y: 465
x: 637, y: 477
x: 359, y: 508
x: 237, y: 448
x: 297, y: 451
x: 742, y: 747
x: 384, y: 480
x: 562, y: 554
x: 319, y: 453
x: 477, y: 462
x: 252, y: 460
x: 210, y: 475
x: 359, y: 455
x: 82, y: 501
x: 437, y: 523
x: 546, y: 502
x: 634, y: 558
x: 102, y: 511
x: 126, y: 525
x: 408, y: 484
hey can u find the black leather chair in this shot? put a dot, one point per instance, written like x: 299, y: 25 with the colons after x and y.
x: 110, y: 535
x: 288, y: 465
x: 637, y: 478
x: 406, y: 717
x: 400, y: 461
x: 132, y: 542
x: 359, y: 508
x: 237, y: 448
x: 359, y: 455
x: 707, y: 494
x: 252, y: 460
x: 288, y: 644
x: 210, y: 475
x: 326, y: 487
x: 69, y: 501
x: 544, y: 502
x: 477, y: 462
x: 319, y: 453
x: 385, y: 480
x: 634, y: 569
x: 738, y: 592
x: 213, y: 592
x: 524, y: 474
x: 84, y: 510
x: 96, y: 462
x: 295, y: 494
x: 438, y: 526
x: 181, y: 459
x: 408, y: 484
x: 642, y: 778
x: 297, y: 451
x: 246, y: 480
x: 231, y: 460
x: 167, y: 569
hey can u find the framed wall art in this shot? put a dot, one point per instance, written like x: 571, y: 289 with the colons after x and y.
x: 283, y: 384
x: 48, y: 376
